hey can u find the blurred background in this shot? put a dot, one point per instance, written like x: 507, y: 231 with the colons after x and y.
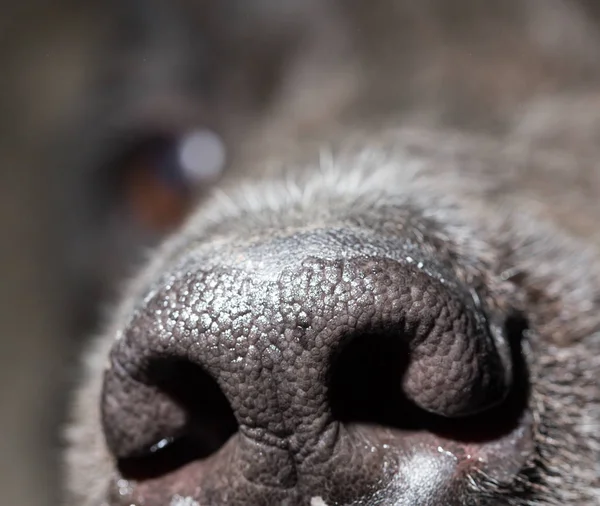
x: 117, y: 115
x: 92, y: 116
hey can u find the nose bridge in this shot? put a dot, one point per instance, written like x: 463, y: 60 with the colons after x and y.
x: 274, y: 354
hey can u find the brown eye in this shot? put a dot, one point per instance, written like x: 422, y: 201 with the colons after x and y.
x: 160, y: 176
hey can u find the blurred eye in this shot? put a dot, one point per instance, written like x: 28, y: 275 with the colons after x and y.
x: 159, y: 177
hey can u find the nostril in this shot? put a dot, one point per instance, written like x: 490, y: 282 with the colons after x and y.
x: 210, y: 417
x: 365, y: 386
x: 166, y: 456
x: 192, y: 393
x: 365, y: 382
x: 431, y: 347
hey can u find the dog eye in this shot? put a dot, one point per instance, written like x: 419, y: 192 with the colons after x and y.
x: 158, y: 177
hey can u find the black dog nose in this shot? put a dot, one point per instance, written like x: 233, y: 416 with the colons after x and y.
x: 266, y: 325
x: 267, y: 331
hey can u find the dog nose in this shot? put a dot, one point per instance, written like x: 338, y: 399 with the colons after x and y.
x: 267, y: 340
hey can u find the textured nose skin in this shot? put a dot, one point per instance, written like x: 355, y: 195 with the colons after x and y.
x: 267, y: 324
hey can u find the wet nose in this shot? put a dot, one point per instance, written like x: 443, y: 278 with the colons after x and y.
x: 268, y: 342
